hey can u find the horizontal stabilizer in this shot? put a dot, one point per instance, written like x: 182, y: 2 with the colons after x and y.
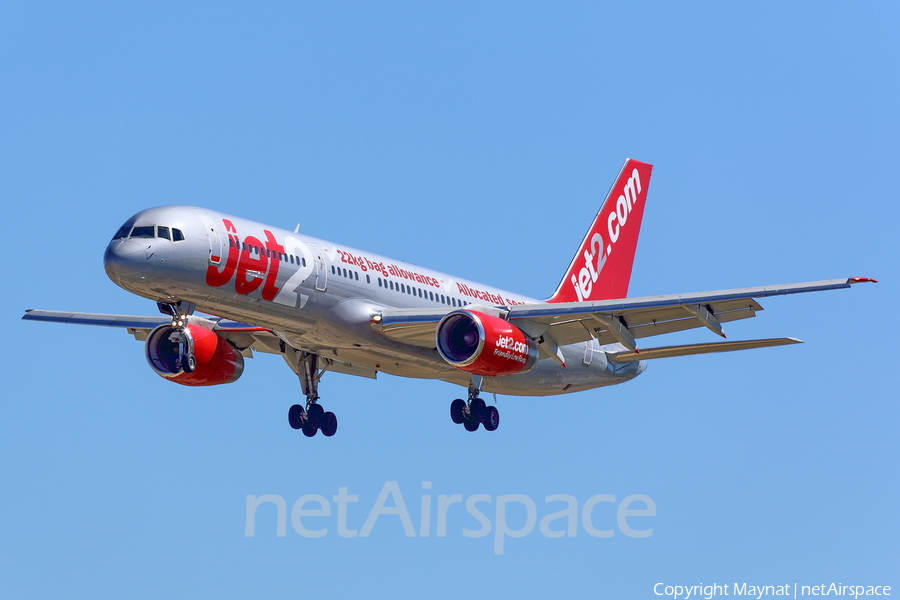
x: 667, y: 351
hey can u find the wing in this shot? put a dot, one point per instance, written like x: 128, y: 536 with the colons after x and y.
x: 610, y: 321
x: 246, y: 338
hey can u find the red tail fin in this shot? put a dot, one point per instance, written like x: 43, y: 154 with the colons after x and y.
x: 601, y: 268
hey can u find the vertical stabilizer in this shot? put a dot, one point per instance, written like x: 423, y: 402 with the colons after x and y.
x: 601, y: 269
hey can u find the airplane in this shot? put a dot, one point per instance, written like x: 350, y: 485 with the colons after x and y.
x: 326, y: 307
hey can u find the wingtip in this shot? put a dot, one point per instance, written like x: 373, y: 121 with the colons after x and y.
x: 862, y: 280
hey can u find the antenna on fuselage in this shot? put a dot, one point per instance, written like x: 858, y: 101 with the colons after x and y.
x: 297, y: 228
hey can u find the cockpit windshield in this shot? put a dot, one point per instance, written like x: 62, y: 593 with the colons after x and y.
x: 172, y: 234
x: 145, y: 231
x: 123, y: 232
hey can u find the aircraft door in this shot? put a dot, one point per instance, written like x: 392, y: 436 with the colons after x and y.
x: 216, y: 256
x: 320, y: 267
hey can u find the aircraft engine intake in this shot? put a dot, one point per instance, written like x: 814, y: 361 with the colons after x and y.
x: 193, y: 355
x: 483, y: 344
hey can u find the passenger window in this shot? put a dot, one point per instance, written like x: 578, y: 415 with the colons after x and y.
x: 163, y: 232
x: 123, y: 232
x: 332, y: 270
x: 146, y: 231
x: 368, y: 279
x: 356, y: 276
x: 431, y: 296
x: 304, y: 262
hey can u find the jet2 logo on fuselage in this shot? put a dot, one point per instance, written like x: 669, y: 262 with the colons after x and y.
x: 253, y: 263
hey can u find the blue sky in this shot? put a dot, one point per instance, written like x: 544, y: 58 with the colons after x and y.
x: 478, y: 139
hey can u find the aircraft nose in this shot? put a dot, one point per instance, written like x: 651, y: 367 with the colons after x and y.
x: 125, y: 260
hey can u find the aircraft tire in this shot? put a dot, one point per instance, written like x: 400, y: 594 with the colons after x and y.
x: 315, y: 415
x: 491, y: 418
x: 476, y: 410
x: 456, y: 411
x: 295, y: 416
x: 471, y: 424
x: 329, y: 424
x: 309, y: 430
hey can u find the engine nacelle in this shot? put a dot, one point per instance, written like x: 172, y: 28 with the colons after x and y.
x: 484, y: 344
x: 193, y: 356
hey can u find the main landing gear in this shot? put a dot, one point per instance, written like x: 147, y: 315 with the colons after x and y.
x: 313, y: 417
x: 475, y: 412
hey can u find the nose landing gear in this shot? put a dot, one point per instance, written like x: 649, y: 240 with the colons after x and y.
x: 475, y: 412
x: 180, y: 311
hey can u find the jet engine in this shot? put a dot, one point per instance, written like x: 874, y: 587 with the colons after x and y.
x: 193, y: 355
x: 483, y: 344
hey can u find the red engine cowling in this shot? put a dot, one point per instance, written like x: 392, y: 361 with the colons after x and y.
x: 484, y: 345
x: 193, y: 356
